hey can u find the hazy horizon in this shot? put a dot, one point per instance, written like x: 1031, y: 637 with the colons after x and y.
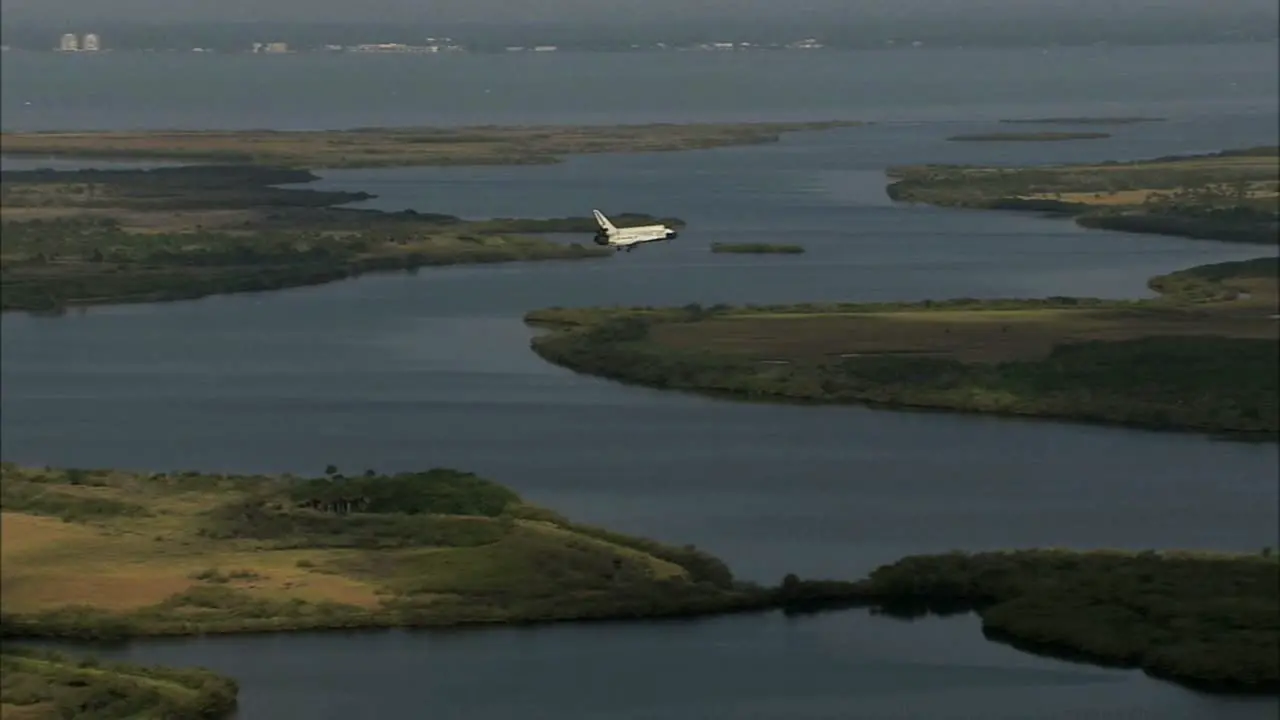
x: 612, y: 11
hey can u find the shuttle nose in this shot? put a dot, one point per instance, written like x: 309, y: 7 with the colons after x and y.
x: 672, y: 234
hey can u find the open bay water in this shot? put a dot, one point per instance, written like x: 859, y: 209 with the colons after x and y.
x: 120, y: 90
x: 408, y: 371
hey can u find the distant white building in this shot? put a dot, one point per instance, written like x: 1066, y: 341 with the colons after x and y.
x: 91, y: 43
x: 69, y: 43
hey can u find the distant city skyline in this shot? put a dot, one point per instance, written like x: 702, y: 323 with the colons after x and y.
x: 188, y: 24
x: 72, y: 42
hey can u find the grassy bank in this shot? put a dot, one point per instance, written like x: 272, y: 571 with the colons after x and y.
x: 1029, y: 136
x: 1203, y: 357
x: 399, y: 147
x: 89, y: 237
x: 1202, y: 620
x: 100, y: 554
x: 41, y: 685
x: 1229, y: 196
x: 756, y: 249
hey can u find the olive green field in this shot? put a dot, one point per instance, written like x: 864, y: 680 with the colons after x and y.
x: 102, y: 554
x: 43, y: 685
x: 399, y: 147
x: 1203, y: 356
x: 1230, y: 195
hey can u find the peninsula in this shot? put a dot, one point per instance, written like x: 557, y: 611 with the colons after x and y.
x: 399, y: 147
x: 1230, y: 195
x: 111, y: 236
x: 1204, y: 356
x: 1204, y: 620
x: 42, y: 685
x: 104, y: 554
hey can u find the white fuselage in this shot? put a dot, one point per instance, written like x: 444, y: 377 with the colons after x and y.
x: 627, y: 238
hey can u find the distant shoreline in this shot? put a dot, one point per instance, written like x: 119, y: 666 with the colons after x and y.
x: 400, y: 146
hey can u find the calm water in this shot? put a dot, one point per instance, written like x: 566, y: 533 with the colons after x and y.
x: 121, y: 90
x: 409, y: 371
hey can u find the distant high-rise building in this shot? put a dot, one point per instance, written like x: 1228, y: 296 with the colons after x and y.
x: 69, y: 43
x: 91, y: 43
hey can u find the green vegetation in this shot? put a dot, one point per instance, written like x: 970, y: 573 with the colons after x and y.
x: 105, y: 236
x: 1231, y: 195
x: 398, y: 147
x: 224, y: 553
x: 757, y: 248
x: 42, y: 685
x: 1202, y: 620
x: 104, y: 554
x: 1120, y: 120
x: 1029, y: 137
x: 1203, y: 357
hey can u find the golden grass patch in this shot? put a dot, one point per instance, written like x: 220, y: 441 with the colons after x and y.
x: 401, y: 146
x: 36, y: 711
x: 173, y: 553
x: 966, y: 335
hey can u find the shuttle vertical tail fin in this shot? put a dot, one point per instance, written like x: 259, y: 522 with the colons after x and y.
x: 603, y: 221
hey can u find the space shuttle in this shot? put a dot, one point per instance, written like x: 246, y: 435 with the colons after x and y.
x: 628, y: 238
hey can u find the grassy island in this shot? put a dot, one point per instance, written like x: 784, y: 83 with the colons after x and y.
x: 1202, y: 357
x: 1203, y: 620
x: 756, y: 248
x: 1231, y: 195
x: 108, y: 236
x: 1029, y: 137
x: 107, y: 554
x: 39, y: 685
x: 398, y: 147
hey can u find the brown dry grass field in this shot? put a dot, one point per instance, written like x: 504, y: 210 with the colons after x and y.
x: 1121, y: 198
x: 966, y: 335
x: 128, y: 545
x: 388, y: 147
x: 38, y: 711
x: 1112, y: 184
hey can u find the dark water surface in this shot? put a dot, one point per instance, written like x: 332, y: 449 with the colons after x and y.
x: 410, y: 371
